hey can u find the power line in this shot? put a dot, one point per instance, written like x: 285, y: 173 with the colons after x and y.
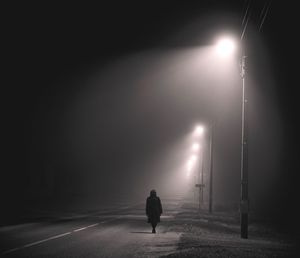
x: 247, y: 14
x: 245, y: 6
x: 265, y: 10
x: 246, y: 18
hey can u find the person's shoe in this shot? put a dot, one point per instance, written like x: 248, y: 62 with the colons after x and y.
x: 153, y: 231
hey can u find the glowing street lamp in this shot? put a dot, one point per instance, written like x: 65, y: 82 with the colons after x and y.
x: 226, y: 47
x: 200, y: 184
x: 195, y: 146
x: 191, y: 162
x: 193, y: 159
x: 199, y: 130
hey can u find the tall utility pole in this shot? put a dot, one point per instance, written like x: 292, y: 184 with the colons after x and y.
x: 199, y: 182
x: 202, y: 171
x: 200, y: 179
x: 211, y: 168
x: 244, y: 205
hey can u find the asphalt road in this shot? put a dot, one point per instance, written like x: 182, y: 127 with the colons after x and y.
x: 116, y: 231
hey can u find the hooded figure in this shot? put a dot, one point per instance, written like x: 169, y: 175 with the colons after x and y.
x: 153, y: 209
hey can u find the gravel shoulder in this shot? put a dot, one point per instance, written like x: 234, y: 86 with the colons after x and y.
x: 218, y: 235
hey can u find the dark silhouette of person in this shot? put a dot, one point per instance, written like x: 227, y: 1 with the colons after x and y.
x: 153, y: 209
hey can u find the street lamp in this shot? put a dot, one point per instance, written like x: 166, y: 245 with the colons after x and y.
x: 193, y: 158
x: 225, y: 47
x: 195, y: 146
x: 199, y: 130
x: 244, y: 158
x: 200, y: 183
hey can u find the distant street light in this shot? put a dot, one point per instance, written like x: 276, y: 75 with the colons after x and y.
x: 199, y: 130
x: 195, y: 146
x: 193, y: 158
x: 226, y: 47
x: 200, y: 183
x: 202, y: 177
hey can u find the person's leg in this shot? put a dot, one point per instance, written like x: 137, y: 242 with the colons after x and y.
x: 153, y: 227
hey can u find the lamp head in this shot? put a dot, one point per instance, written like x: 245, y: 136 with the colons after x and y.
x: 225, y: 46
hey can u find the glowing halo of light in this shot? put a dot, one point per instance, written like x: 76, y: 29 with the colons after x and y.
x: 199, y: 130
x: 225, y: 46
x: 195, y: 146
x: 193, y: 158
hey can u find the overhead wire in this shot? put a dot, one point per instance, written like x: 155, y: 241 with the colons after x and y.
x: 264, y: 13
x: 246, y: 18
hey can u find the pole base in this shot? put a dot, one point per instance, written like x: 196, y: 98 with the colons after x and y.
x: 244, y: 225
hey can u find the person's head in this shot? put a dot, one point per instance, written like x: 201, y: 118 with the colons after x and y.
x: 152, y: 192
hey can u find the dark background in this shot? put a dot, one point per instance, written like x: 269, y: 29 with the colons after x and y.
x: 53, y: 49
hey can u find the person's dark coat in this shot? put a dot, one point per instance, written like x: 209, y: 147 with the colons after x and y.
x: 153, y: 208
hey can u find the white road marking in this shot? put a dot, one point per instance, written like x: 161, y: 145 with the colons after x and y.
x: 92, y: 225
x: 36, y: 243
x: 79, y: 229
x: 64, y: 234
x: 48, y: 239
x: 12, y: 250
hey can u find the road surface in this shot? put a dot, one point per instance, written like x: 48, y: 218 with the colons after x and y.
x: 120, y: 230
x: 116, y: 231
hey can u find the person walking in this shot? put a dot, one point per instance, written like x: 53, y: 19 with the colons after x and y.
x: 153, y: 209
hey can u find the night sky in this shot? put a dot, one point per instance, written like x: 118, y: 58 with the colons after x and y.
x: 100, y: 99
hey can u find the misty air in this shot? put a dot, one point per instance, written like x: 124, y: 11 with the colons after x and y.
x: 150, y: 129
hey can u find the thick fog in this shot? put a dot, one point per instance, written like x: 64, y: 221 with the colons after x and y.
x: 125, y: 125
x: 128, y: 129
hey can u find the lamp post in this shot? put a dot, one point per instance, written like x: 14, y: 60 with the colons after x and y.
x: 202, y: 182
x: 210, y: 200
x: 199, y: 132
x: 244, y: 205
x: 224, y: 47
